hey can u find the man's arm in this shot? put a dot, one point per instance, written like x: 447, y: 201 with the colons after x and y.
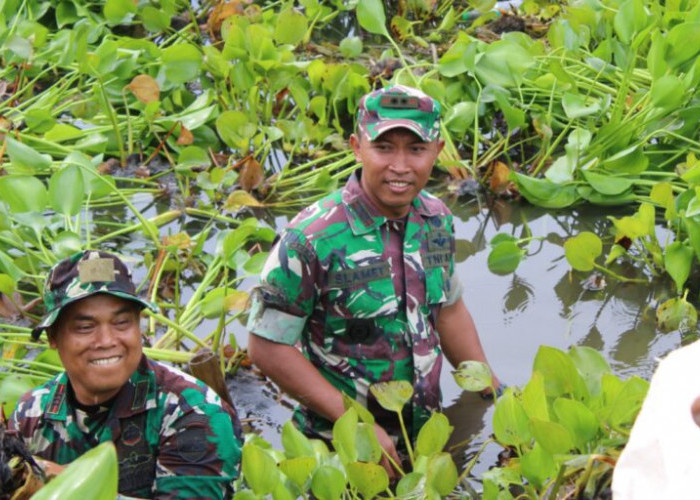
x: 293, y: 373
x: 459, y: 338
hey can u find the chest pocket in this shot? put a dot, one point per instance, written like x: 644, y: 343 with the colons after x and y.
x: 361, y: 304
x: 437, y: 256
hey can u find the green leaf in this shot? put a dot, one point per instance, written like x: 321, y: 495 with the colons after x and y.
x: 12, y: 387
x: 182, y: 63
x: 629, y: 20
x: 505, y: 257
x: 7, y: 285
x: 683, y: 43
x: 552, y: 436
x: 510, y: 422
x: 441, y: 474
x: 65, y: 244
x: 93, y: 475
x: 295, y: 443
x: 433, y: 436
x: 155, y: 19
x: 473, y: 375
x: 328, y: 483
x: 392, y: 395
x: 290, y: 27
x: 577, y: 105
x: 560, y: 374
x: 39, y: 120
x: 67, y: 190
x: 369, y: 478
x: 23, y: 193
x: 259, y: 469
x: 363, y: 413
x: 504, y: 63
x: 191, y: 157
x: 411, y: 485
x: 629, y: 161
x: 298, y: 469
x: 582, y: 250
x: 693, y: 229
x: 545, y: 193
x: 344, y: 432
x: 676, y: 314
x: 235, y: 128
x: 579, y: 420
x: 24, y: 159
x: 538, y: 465
x: 623, y: 408
x: 591, y: 365
x: 667, y: 92
x: 534, y: 398
x: 460, y: 117
x: 351, y: 47
x: 370, y: 14
x: 607, y: 184
x: 117, y: 11
x: 678, y: 259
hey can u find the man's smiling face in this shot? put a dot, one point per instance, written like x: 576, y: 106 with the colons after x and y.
x: 98, y: 339
x: 395, y: 167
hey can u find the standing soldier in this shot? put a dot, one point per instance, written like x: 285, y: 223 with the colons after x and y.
x: 365, y: 280
x: 174, y: 436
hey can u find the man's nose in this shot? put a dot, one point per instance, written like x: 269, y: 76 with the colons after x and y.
x: 399, y: 162
x: 104, y: 336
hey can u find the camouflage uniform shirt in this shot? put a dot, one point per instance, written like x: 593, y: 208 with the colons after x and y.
x: 175, y: 438
x: 362, y: 293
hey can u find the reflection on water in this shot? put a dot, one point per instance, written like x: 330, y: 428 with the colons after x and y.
x: 543, y: 302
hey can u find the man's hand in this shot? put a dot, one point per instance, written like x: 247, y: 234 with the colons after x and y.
x: 389, y: 448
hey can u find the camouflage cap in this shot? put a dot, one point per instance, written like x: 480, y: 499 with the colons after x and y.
x: 84, y: 274
x: 398, y: 106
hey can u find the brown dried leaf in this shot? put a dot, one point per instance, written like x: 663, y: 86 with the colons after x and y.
x: 220, y: 13
x: 145, y: 88
x: 7, y: 308
x: 142, y: 172
x: 5, y: 125
x: 251, y: 174
x: 237, y: 300
x: 186, y: 138
x: 499, y: 178
x: 108, y: 166
x: 181, y: 241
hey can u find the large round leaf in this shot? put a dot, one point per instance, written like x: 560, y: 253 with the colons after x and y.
x: 370, y: 14
x: 392, y: 395
x: 23, y: 193
x: 12, y: 387
x: 67, y: 190
x: 505, y: 257
x: 182, y: 63
x: 678, y: 259
x: 368, y: 478
x: 328, y: 483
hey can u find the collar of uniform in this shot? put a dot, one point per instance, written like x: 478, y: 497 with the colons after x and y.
x: 132, y: 398
x: 363, y: 216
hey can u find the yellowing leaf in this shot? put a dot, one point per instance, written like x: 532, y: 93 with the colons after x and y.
x: 239, y: 199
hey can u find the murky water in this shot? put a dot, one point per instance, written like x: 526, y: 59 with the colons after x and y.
x: 541, y: 303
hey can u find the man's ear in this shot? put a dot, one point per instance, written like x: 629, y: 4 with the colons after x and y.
x: 51, y: 335
x: 440, y: 145
x: 355, y: 145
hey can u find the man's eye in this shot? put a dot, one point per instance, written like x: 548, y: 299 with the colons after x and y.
x: 84, y: 328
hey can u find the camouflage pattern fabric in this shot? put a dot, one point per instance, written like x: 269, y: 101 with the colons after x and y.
x: 174, y: 436
x: 364, y: 312
x: 398, y: 106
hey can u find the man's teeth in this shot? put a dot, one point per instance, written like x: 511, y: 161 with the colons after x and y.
x: 106, y: 361
x: 398, y: 183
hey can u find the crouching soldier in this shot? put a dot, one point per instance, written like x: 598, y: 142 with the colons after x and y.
x: 175, y: 438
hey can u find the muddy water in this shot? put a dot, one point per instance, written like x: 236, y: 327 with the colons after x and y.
x: 541, y: 303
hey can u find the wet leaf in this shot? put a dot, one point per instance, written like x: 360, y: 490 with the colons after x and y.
x: 290, y: 27
x: 545, y: 193
x: 441, y: 474
x: 182, y: 62
x: 12, y: 387
x: 239, y: 199
x: 591, y: 365
x: 473, y: 376
x: 370, y: 14
x: 552, y: 436
x: 295, y: 443
x: 580, y: 421
x: 145, y: 88
x: 23, y: 193
x: 538, y: 465
x: 433, y: 436
x: 582, y: 250
x: 505, y: 257
x: 259, y: 469
x: 534, y: 398
x: 93, y: 475
x: 328, y: 483
x: 678, y: 259
x: 560, y: 374
x: 298, y: 469
x: 676, y: 313
x: 392, y: 395
x: 25, y: 159
x: 351, y: 47
x: 67, y: 190
x: 607, y: 184
x: 369, y: 478
x: 511, y: 424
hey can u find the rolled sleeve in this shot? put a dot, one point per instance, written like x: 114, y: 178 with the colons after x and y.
x: 454, y: 292
x: 273, y: 324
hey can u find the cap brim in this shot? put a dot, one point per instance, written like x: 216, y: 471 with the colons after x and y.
x: 52, y: 315
x: 387, y: 126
